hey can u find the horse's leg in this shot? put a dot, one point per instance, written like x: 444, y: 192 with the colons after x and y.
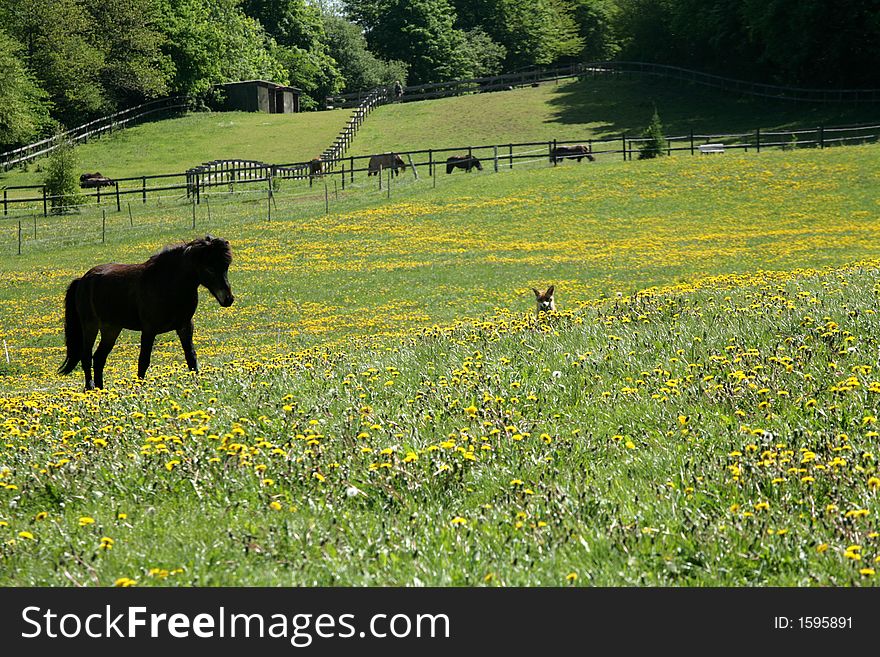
x: 185, y: 333
x: 90, y: 332
x: 147, y: 340
x: 108, y: 339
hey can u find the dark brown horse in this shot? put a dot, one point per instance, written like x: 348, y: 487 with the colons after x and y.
x: 577, y: 152
x: 466, y: 162
x: 156, y: 296
x: 88, y: 180
x: 316, y: 167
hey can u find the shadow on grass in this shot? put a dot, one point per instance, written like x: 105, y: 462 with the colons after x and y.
x: 612, y: 106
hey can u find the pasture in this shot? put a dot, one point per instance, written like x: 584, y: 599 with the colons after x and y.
x: 594, y: 108
x: 379, y: 407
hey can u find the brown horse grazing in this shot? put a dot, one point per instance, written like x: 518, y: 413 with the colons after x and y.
x: 385, y: 161
x: 577, y: 152
x: 466, y: 162
x: 316, y: 167
x: 156, y: 296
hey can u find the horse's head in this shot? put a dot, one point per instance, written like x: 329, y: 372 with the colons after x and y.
x: 211, y: 257
x: 478, y: 165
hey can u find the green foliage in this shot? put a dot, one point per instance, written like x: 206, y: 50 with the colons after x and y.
x: 61, y: 49
x: 213, y: 41
x: 419, y: 32
x: 595, y: 20
x: 486, y: 57
x: 24, y: 106
x: 656, y: 142
x: 135, y: 68
x: 62, y: 178
x: 298, y: 29
x: 359, y: 67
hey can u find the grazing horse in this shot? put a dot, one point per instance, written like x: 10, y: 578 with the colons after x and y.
x: 88, y: 180
x: 316, y: 167
x: 466, y: 162
x: 153, y: 297
x: 577, y: 152
x: 391, y: 161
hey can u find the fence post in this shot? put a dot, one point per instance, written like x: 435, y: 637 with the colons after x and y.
x: 98, y: 194
x: 144, y: 188
x: 430, y: 162
x: 193, y: 215
x: 495, y: 156
x: 380, y: 178
x: 623, y: 137
x: 821, y: 131
x: 103, y: 225
x: 130, y: 218
x: 5, y: 209
x: 343, y: 176
x: 550, y: 154
x: 19, y: 237
x: 758, y: 140
x: 351, y: 168
x: 45, y: 207
x: 692, y: 141
x: 118, y: 206
x: 510, y: 151
x: 391, y: 171
x: 326, y: 198
x: 35, y: 224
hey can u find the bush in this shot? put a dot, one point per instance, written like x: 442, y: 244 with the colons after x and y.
x: 655, y: 142
x: 62, y: 178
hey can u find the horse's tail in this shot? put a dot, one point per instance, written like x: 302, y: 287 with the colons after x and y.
x: 73, y: 337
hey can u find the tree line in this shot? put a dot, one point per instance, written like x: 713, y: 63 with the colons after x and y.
x: 63, y: 62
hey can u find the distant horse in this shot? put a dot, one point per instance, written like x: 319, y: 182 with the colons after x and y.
x: 316, y: 167
x: 385, y: 161
x: 89, y: 180
x: 153, y: 297
x: 576, y: 152
x: 466, y: 162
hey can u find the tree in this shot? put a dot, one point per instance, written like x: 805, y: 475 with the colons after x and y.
x: 359, y: 68
x: 654, y: 142
x: 595, y: 23
x: 485, y: 56
x: 298, y: 29
x: 62, y: 178
x: 213, y: 41
x: 419, y: 32
x: 135, y: 68
x: 60, y: 49
x: 533, y: 32
x: 24, y: 106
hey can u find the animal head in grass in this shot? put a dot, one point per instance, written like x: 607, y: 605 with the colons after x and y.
x: 544, y: 300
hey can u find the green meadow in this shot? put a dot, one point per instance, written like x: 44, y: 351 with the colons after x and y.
x: 381, y: 406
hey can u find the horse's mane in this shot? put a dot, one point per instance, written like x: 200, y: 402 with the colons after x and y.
x: 207, y: 245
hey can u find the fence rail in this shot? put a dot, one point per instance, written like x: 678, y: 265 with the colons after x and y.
x: 235, y: 176
x: 84, y: 132
x: 617, y: 68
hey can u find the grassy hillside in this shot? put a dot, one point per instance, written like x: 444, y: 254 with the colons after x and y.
x: 174, y: 145
x: 590, y: 109
x: 379, y: 406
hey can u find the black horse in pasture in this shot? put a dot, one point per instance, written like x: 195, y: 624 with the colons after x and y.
x: 153, y: 297
x: 466, y: 162
x: 576, y: 152
x: 316, y: 167
x: 385, y: 161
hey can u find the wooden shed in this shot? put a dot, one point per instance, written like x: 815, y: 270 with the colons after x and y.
x: 259, y: 96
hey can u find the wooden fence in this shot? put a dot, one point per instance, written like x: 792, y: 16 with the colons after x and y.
x: 247, y: 176
x: 83, y: 133
x: 533, y: 76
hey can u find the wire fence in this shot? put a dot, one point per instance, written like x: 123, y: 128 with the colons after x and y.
x: 234, y: 189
